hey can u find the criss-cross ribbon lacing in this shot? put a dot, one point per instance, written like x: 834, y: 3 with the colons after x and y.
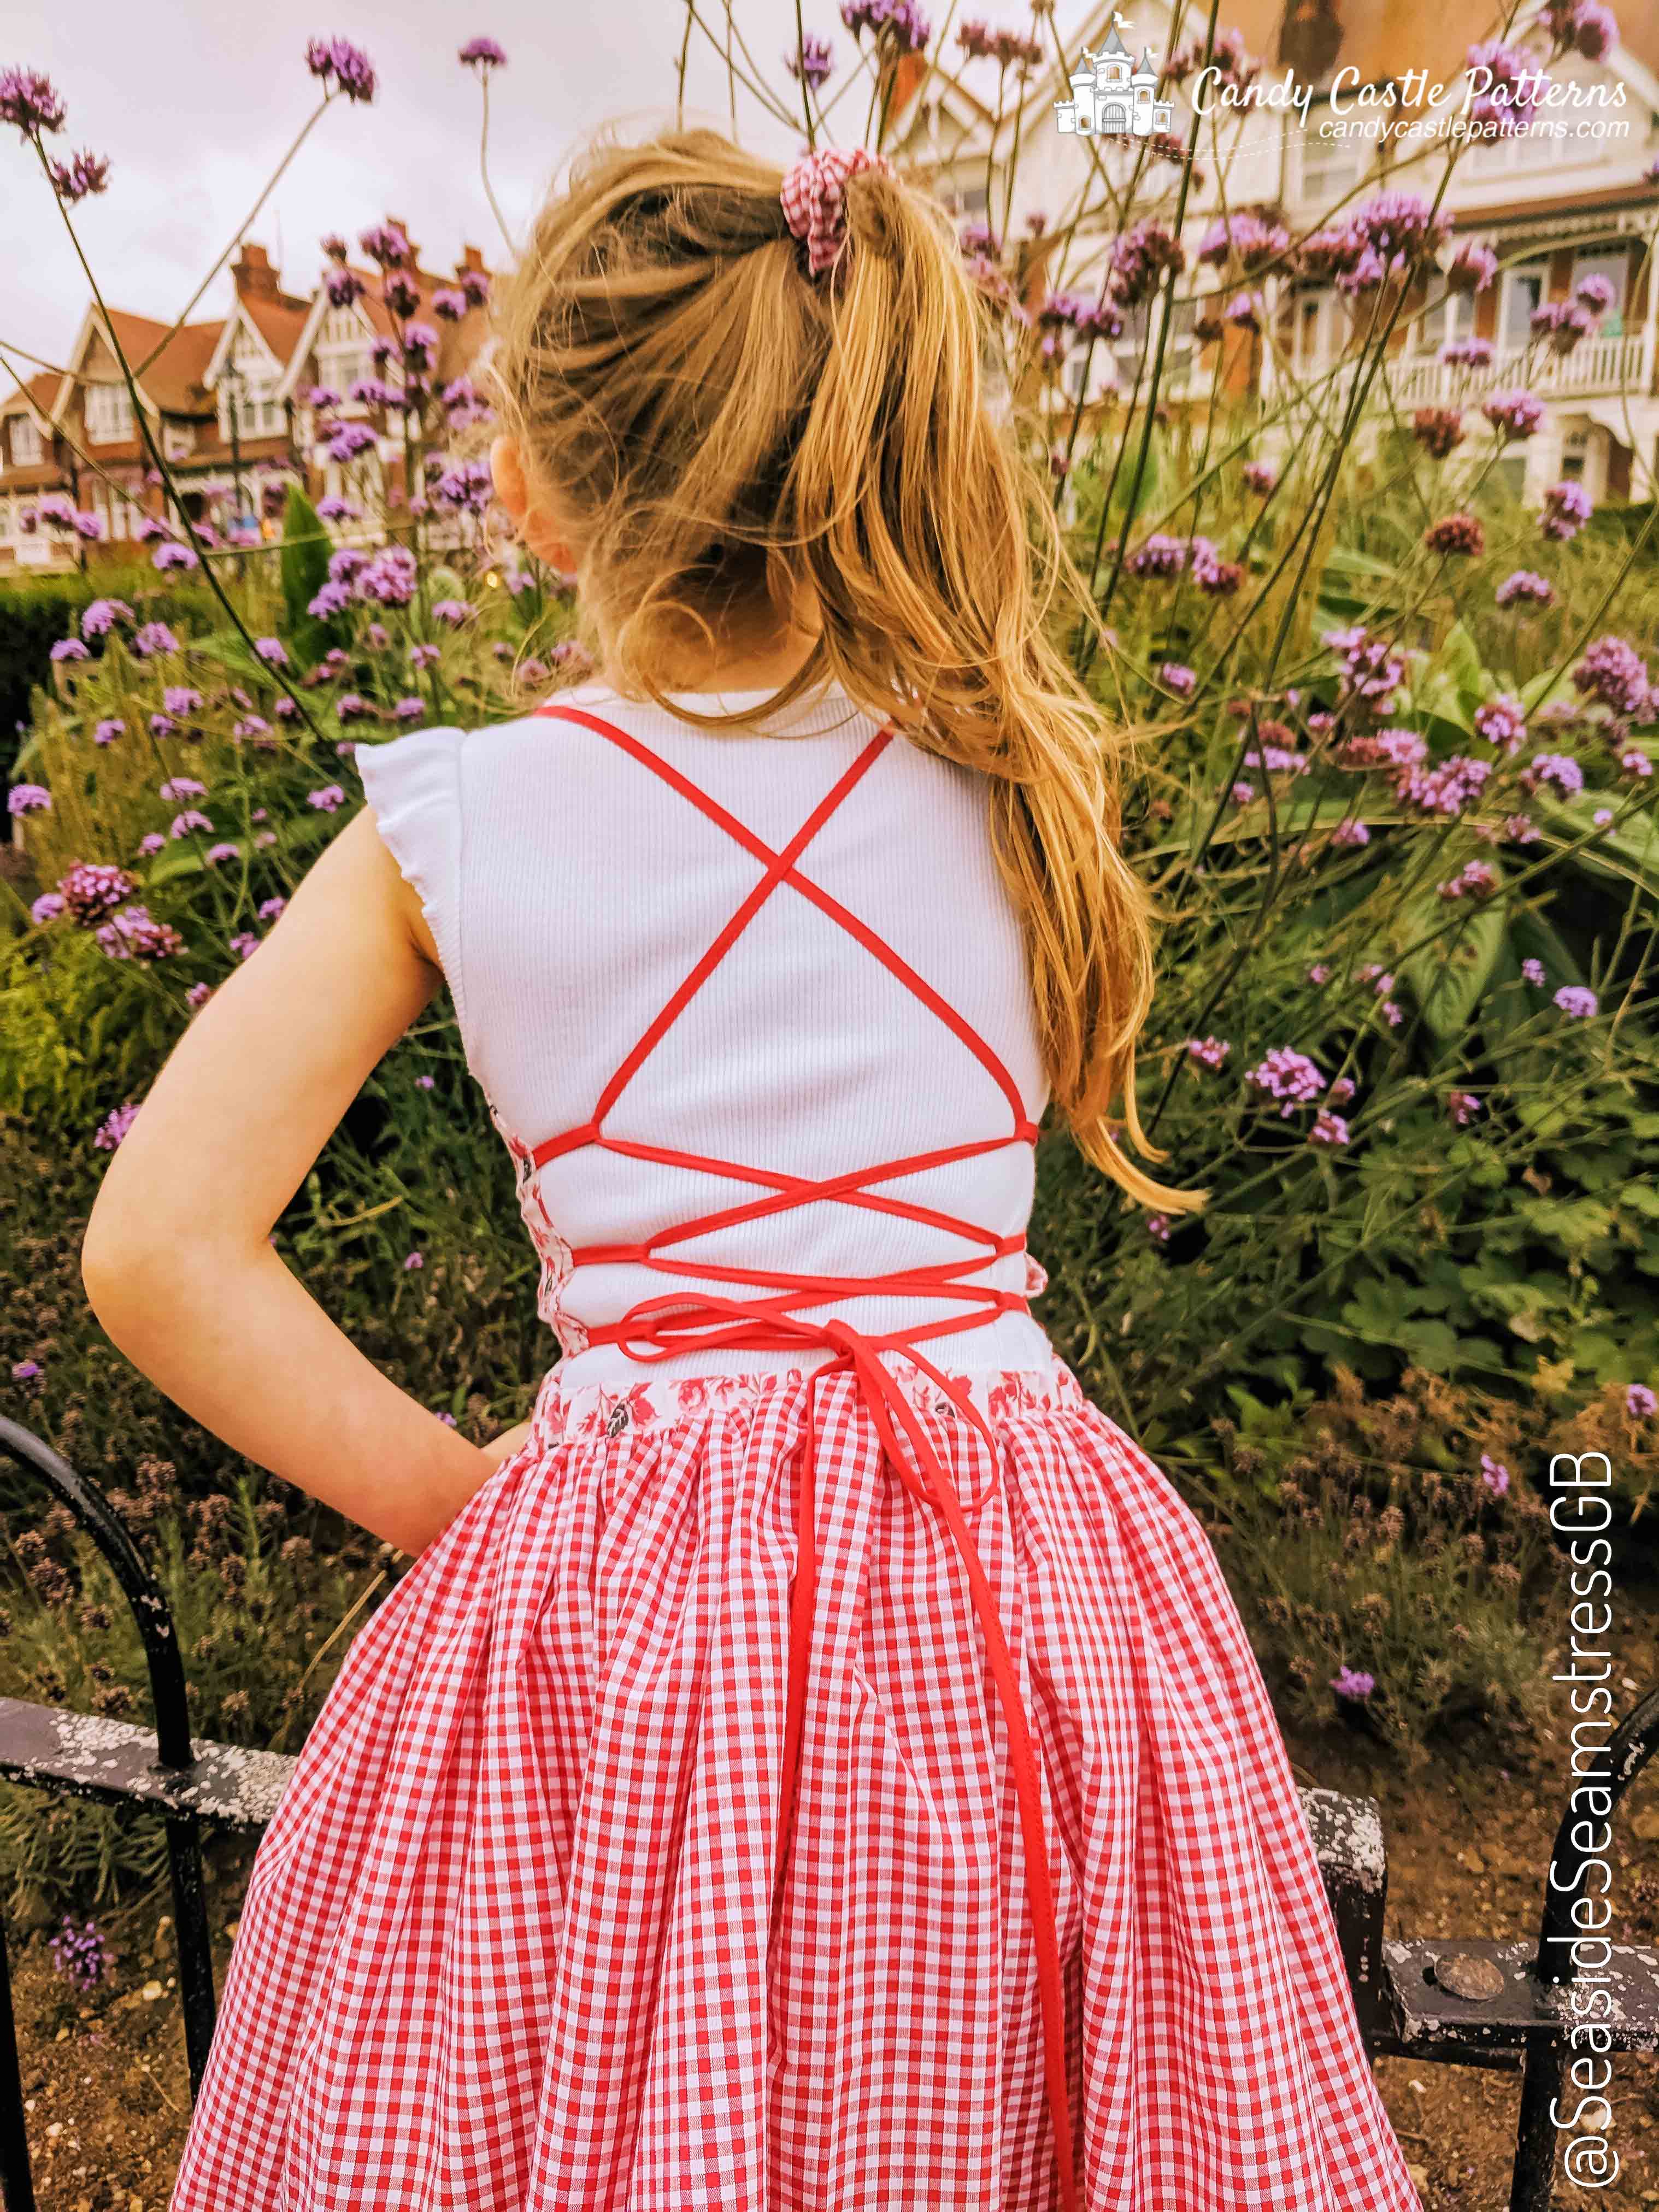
x: 780, y: 1320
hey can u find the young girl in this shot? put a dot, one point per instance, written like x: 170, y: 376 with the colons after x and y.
x: 817, y: 1764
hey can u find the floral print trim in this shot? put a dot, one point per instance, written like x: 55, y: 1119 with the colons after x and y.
x: 595, y: 1410
x: 557, y: 1265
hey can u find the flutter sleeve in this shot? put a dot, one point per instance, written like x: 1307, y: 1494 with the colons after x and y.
x: 414, y: 789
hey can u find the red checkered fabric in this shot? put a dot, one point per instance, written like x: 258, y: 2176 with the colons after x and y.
x: 814, y: 198
x: 850, y: 1790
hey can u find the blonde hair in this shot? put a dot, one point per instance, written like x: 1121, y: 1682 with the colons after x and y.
x: 723, y: 432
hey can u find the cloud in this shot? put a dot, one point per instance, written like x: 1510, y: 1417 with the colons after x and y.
x: 195, y: 115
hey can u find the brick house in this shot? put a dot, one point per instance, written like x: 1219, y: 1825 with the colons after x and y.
x: 28, y: 466
x: 1554, y: 209
x: 336, y: 351
x: 227, y: 401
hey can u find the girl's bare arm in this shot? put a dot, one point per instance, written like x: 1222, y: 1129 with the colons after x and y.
x: 176, y: 1260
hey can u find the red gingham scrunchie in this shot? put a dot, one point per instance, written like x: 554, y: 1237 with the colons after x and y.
x: 814, y: 200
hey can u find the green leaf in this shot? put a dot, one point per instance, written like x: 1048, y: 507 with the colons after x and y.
x: 303, y: 566
x: 1459, y: 659
x: 1533, y: 937
x: 1626, y: 852
x: 1439, y: 700
x: 1448, y: 976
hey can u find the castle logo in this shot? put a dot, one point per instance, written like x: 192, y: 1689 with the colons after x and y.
x: 1112, y: 97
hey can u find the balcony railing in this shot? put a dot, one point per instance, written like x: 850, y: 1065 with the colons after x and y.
x: 1606, y: 366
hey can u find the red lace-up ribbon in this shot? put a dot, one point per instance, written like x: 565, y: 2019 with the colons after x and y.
x: 783, y: 1318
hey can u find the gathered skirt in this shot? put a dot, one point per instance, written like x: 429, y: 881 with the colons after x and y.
x: 504, y: 1944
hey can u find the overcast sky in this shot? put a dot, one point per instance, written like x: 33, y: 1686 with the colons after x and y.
x: 194, y: 102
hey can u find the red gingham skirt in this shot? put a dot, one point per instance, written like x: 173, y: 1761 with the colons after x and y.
x: 504, y: 1946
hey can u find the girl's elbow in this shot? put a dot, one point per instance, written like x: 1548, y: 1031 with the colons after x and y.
x: 125, y: 1263
x: 111, y: 1266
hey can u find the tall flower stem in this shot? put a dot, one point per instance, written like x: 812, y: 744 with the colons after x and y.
x: 158, y: 460
x: 241, y: 231
x: 806, y: 88
x: 484, y: 162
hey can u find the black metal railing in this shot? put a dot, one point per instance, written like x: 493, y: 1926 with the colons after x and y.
x: 187, y: 1780
x: 1461, y: 2001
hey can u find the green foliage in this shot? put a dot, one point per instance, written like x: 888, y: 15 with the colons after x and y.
x: 303, y: 570
x: 36, y: 610
x: 1391, y: 1539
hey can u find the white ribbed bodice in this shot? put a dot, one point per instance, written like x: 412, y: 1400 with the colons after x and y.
x: 569, y: 891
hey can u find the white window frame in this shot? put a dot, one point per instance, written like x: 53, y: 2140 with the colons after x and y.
x: 1323, y: 183
x: 1445, y: 321
x: 27, y: 447
x: 108, y: 413
x: 1514, y: 335
x: 1332, y: 328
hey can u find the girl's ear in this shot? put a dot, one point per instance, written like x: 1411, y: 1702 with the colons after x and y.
x: 532, y: 518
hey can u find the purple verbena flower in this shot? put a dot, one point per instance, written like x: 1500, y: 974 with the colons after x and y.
x: 1559, y: 768
x: 98, y: 619
x: 1502, y: 722
x: 80, y: 1954
x: 812, y: 64
x: 1438, y: 430
x: 133, y: 933
x: 1507, y: 87
x: 78, y: 179
x: 1455, y: 534
x: 1524, y: 587
x: 1286, y: 1075
x: 1476, y: 880
x: 1472, y: 268
x: 1513, y: 414
x: 113, y: 1127
x: 1612, y: 672
x: 1448, y: 787
x: 898, y: 24
x: 340, y: 65
x: 1578, y: 1004
x: 1212, y: 1051
x: 30, y: 102
x: 1567, y: 508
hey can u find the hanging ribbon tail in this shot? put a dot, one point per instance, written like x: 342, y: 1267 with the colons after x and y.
x: 920, y: 1470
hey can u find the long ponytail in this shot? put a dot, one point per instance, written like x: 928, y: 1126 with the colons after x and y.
x: 724, y: 427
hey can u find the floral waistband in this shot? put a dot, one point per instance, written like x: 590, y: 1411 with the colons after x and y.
x: 590, y: 1410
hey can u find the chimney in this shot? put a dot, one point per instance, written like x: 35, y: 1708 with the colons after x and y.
x: 396, y: 222
x: 471, y: 259
x: 255, y: 277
